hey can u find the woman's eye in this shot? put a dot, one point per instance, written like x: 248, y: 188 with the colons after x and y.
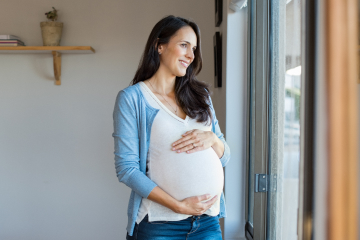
x: 184, y: 45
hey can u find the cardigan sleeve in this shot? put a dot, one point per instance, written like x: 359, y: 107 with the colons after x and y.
x: 216, y: 129
x: 127, y: 147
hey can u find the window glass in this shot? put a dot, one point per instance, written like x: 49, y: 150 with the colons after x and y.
x: 284, y: 137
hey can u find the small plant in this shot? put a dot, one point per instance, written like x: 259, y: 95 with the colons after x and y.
x: 52, y: 15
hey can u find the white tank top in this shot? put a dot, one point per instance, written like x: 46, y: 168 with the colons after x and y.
x: 181, y: 175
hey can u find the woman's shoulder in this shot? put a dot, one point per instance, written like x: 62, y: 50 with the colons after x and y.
x: 130, y: 92
x: 129, y: 96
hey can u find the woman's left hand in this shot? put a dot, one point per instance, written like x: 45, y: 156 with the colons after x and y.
x: 194, y: 140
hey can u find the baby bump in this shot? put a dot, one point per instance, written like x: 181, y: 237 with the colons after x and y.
x: 184, y: 175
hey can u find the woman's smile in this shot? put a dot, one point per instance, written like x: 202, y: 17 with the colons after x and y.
x: 184, y: 63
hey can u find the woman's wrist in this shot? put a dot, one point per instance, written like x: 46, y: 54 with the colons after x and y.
x: 177, y: 207
x: 160, y: 196
x: 218, y: 146
x: 214, y: 138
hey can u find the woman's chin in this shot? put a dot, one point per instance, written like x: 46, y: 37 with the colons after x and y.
x: 181, y: 74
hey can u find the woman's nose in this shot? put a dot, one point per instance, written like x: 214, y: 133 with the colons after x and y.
x: 190, y: 54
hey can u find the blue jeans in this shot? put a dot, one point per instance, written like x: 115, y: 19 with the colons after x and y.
x: 202, y: 227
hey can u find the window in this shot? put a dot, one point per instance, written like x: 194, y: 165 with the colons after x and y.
x: 274, y: 124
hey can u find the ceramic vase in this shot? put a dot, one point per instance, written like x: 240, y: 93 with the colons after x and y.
x: 51, y: 33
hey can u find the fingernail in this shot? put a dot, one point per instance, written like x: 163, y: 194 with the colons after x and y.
x: 173, y: 149
x: 178, y: 151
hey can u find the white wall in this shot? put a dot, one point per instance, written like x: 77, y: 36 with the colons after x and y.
x: 236, y: 94
x: 57, y: 175
x: 230, y: 108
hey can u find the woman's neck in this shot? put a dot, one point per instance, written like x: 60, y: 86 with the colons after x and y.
x: 163, y: 83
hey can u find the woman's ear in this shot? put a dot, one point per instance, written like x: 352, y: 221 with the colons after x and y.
x: 159, y: 48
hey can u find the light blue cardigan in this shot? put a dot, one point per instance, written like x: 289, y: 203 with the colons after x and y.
x: 133, y: 118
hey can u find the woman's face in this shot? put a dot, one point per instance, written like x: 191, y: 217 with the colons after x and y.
x: 178, y: 53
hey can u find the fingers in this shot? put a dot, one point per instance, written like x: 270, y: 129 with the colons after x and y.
x: 188, y: 132
x: 187, y: 143
x: 196, y: 206
x: 203, y: 197
x: 199, y: 147
x: 181, y: 140
x: 211, y: 202
x: 208, y: 204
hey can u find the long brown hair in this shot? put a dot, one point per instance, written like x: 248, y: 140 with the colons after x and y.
x: 191, y: 94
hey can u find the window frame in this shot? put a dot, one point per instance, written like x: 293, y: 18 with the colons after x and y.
x: 257, y: 124
x: 258, y: 87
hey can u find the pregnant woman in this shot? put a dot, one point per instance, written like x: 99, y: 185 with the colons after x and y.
x: 168, y: 145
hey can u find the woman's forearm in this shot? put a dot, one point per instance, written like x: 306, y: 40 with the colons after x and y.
x: 160, y: 196
x: 218, y: 146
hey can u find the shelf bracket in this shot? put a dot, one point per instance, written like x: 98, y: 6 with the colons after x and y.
x: 57, y: 67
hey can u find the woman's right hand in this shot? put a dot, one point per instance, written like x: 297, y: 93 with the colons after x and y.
x: 195, y: 205
x: 190, y: 206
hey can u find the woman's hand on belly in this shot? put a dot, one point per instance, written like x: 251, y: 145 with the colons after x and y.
x: 190, y: 206
x: 195, y: 205
x: 198, y: 140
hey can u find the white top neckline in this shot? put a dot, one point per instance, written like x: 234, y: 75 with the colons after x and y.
x: 162, y: 105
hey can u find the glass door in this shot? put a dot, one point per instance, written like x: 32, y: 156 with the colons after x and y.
x: 274, y: 119
x: 284, y: 115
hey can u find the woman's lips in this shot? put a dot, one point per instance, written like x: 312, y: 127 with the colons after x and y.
x: 185, y: 64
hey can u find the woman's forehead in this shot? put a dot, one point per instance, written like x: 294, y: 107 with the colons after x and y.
x: 185, y: 34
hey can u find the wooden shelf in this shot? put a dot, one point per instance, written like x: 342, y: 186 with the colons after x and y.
x: 47, y: 49
x: 55, y: 50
